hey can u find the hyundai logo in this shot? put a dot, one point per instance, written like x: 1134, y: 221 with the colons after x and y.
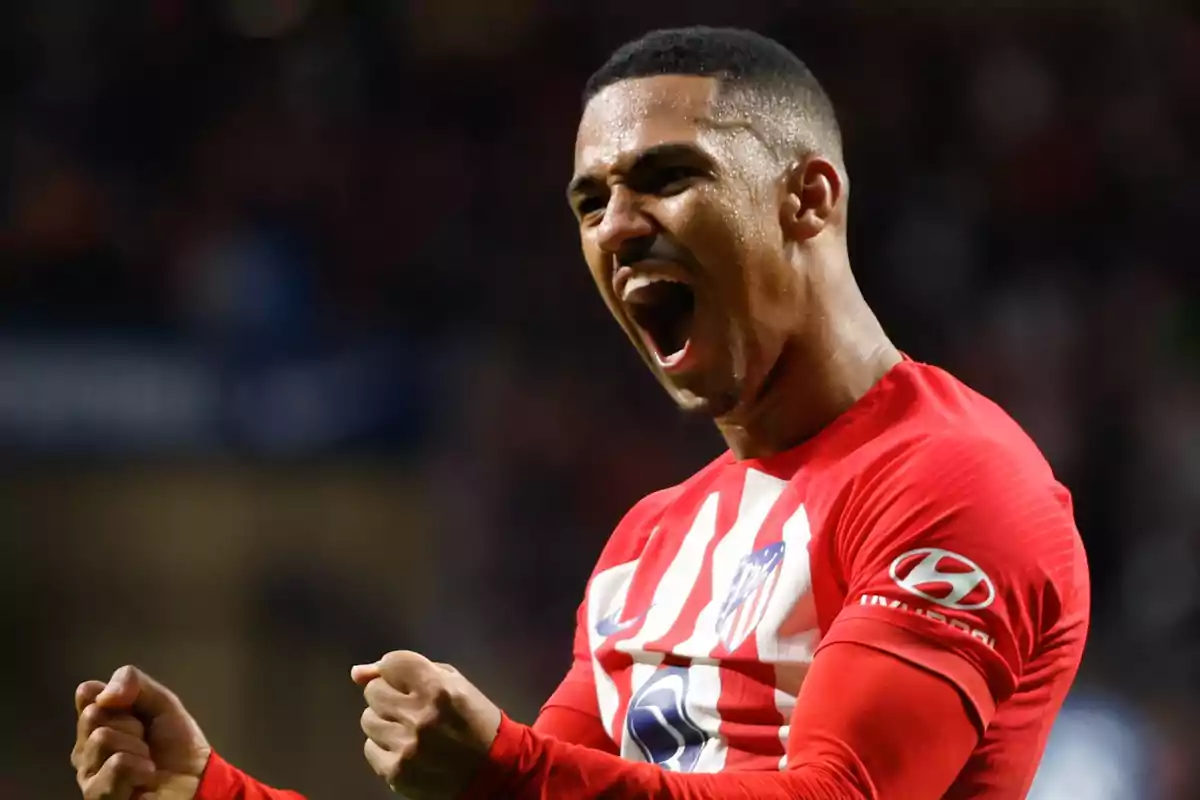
x: 943, y: 577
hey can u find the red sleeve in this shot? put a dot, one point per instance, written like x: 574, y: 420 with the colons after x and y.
x: 568, y: 725
x: 958, y: 555
x: 223, y: 781
x: 866, y: 725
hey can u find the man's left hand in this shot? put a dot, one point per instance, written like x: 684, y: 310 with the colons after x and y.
x: 428, y: 728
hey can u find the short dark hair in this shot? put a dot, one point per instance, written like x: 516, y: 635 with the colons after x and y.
x: 739, y: 60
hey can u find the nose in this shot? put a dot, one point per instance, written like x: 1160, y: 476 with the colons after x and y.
x: 624, y: 220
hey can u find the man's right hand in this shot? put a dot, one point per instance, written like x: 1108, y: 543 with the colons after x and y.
x: 136, y: 740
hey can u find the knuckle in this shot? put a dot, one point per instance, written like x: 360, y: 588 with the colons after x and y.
x: 401, y: 658
x: 372, y: 691
x: 102, y: 737
x: 426, y: 719
x: 129, y: 725
x: 96, y: 789
x: 91, y: 716
x: 124, y: 763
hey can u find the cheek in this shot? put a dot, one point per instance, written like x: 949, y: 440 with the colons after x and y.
x: 710, y: 227
x: 593, y: 258
x: 598, y: 267
x: 744, y: 248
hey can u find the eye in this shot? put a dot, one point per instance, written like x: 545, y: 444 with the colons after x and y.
x: 672, y: 180
x: 589, y: 205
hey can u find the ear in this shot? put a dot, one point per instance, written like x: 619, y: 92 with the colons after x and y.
x: 813, y: 189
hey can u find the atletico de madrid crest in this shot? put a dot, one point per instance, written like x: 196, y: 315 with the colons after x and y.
x: 749, y: 595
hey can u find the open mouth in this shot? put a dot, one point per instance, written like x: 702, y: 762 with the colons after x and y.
x: 663, y: 309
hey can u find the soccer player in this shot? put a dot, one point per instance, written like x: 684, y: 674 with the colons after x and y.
x: 878, y: 591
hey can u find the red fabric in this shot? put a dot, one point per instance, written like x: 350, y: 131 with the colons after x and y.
x: 868, y: 725
x: 981, y: 510
x: 571, y: 725
x: 223, y: 781
x: 921, y: 477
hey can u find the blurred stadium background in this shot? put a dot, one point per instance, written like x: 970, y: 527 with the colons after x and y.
x: 299, y: 363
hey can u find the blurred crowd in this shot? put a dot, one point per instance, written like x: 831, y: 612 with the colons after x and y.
x: 278, y: 232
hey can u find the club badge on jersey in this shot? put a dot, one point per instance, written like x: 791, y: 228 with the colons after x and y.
x: 749, y: 594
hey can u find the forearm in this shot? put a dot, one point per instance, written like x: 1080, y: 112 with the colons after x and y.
x: 866, y: 725
x: 223, y: 781
x: 525, y: 765
x: 572, y: 725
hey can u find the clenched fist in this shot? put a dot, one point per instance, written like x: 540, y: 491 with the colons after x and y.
x: 136, y: 740
x: 428, y: 728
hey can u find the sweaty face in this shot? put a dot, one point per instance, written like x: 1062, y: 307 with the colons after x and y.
x: 678, y: 208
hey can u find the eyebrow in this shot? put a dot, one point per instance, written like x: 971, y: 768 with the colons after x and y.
x: 647, y: 159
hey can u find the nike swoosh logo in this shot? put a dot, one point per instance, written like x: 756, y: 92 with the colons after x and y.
x: 611, y: 624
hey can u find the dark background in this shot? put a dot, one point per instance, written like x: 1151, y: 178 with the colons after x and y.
x: 299, y: 362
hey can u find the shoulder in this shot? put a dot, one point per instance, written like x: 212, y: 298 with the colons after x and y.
x: 947, y: 525
x: 948, y: 468
x: 966, y: 500
x: 957, y: 464
x: 939, y: 437
x: 966, y: 483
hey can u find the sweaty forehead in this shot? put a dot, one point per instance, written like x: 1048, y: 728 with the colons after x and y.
x: 632, y: 115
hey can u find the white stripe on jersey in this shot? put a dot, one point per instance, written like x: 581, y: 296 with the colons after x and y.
x: 760, y: 491
x: 675, y: 586
x: 789, y: 630
x: 793, y: 609
x: 783, y: 608
x: 758, y: 496
x: 606, y: 595
x: 703, y: 694
x: 670, y: 597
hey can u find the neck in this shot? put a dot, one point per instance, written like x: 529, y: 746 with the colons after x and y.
x: 838, y: 353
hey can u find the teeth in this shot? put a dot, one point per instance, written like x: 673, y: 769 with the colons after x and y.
x: 640, y: 281
x: 666, y: 362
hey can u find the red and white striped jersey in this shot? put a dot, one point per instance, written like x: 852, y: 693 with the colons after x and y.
x: 924, y: 506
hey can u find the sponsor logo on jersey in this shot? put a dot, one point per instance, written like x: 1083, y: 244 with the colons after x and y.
x: 613, y: 624
x: 659, y: 724
x: 929, y: 613
x: 943, y: 577
x: 746, y: 603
